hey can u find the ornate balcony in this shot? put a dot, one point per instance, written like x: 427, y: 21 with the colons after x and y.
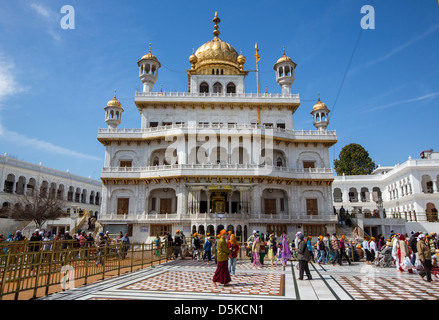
x: 242, y: 170
x: 238, y: 129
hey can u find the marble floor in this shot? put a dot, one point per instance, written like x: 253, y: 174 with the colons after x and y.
x: 188, y: 279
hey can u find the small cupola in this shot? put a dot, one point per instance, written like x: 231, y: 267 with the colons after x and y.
x: 113, y: 112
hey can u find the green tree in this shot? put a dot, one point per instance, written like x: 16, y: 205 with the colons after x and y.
x: 354, y: 160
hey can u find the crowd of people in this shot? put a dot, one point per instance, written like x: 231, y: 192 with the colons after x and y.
x: 418, y: 253
x: 64, y: 241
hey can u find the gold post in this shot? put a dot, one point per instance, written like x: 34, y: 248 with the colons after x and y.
x: 257, y: 80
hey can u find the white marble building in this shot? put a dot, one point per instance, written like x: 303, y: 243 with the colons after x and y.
x: 216, y: 157
x: 403, y: 197
x: 20, y: 178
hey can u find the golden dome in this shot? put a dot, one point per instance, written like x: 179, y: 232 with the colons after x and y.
x: 150, y: 56
x: 320, y: 106
x: 285, y: 58
x: 114, y: 102
x: 217, y: 51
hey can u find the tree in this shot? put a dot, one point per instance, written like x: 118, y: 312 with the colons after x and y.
x: 38, y: 207
x: 354, y: 160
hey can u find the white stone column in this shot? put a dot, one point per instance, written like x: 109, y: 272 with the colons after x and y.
x: 105, y: 200
x: 230, y: 202
x: 184, y: 208
x: 345, y: 195
x: 257, y: 200
x: 141, y: 191
x: 146, y: 201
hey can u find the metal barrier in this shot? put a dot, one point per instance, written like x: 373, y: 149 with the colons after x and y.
x: 41, y: 268
x: 51, y: 266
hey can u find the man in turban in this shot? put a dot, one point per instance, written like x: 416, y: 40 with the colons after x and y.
x: 222, y: 274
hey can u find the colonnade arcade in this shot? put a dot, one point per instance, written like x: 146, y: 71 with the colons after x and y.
x: 239, y: 230
x: 218, y: 199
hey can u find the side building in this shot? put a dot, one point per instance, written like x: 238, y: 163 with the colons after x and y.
x: 20, y: 178
x: 403, y: 198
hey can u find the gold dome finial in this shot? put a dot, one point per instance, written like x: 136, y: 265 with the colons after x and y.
x: 320, y: 105
x: 283, y: 49
x: 193, y: 59
x: 114, y: 102
x: 216, y: 20
x: 241, y: 60
x: 150, y: 47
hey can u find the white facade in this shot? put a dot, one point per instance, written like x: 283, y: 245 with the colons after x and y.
x: 402, y: 196
x: 216, y: 157
x: 20, y: 178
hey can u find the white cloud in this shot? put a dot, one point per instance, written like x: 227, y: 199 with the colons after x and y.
x: 41, y: 145
x: 42, y: 11
x: 50, y: 18
x: 397, y: 103
x: 8, y: 84
x: 8, y: 88
x: 396, y: 50
x: 407, y: 44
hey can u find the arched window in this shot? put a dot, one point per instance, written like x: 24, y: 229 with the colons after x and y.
x: 204, y: 87
x: 281, y: 72
x: 279, y: 162
x: 217, y: 88
x: 231, y: 88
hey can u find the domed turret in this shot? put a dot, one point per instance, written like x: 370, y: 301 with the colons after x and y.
x: 320, y: 115
x: 217, y: 54
x: 148, y: 70
x: 284, y: 68
x: 113, y: 112
x: 216, y: 67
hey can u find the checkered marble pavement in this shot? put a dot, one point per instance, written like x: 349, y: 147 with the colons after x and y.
x: 201, y: 282
x: 189, y: 279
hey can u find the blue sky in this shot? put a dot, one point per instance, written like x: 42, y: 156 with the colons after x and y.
x: 54, y: 83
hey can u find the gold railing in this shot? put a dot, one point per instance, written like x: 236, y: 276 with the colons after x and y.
x: 30, y: 274
x: 29, y: 270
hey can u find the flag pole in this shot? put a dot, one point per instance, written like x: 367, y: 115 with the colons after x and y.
x: 257, y: 80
